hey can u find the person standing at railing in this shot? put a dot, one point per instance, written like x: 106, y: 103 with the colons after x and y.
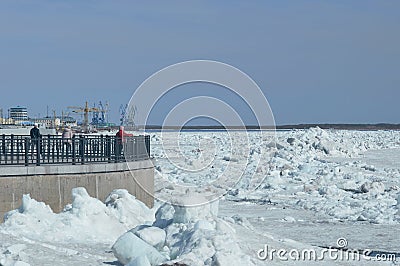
x: 67, y: 139
x: 120, y: 140
x: 35, y: 137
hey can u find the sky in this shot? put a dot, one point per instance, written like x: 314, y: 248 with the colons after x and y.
x: 315, y: 61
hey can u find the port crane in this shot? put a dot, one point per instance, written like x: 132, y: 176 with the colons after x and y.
x: 100, y: 116
x: 85, y: 110
x: 127, y: 115
x: 104, y: 110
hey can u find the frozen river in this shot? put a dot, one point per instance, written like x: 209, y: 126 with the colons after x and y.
x: 296, y: 190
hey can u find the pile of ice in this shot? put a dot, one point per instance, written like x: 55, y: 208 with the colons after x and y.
x: 184, y: 235
x: 13, y: 255
x: 316, y: 169
x: 353, y: 200
x: 317, y: 142
x: 174, y: 233
x: 86, y: 219
x: 300, y: 173
x: 267, y: 152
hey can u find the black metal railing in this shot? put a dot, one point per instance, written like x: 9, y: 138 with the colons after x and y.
x: 80, y: 149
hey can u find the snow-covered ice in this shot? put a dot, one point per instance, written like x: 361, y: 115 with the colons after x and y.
x: 297, y: 189
x: 83, y: 227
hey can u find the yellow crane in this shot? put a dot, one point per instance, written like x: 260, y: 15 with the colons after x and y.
x: 85, y: 110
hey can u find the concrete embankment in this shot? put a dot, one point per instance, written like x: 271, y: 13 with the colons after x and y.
x: 52, y: 184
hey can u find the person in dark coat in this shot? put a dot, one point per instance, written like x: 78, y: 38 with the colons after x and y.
x: 35, y: 137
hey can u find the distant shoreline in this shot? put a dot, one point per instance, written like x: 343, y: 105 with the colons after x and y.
x: 380, y: 126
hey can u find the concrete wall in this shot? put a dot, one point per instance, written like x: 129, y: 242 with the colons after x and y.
x: 52, y: 184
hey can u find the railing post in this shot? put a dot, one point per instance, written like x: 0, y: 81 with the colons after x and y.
x: 58, y: 146
x: 64, y: 150
x: 38, y: 144
x: 12, y: 148
x: 101, y: 153
x: 26, y: 151
x: 136, y: 150
x: 4, y: 148
x: 73, y: 150
x: 48, y: 148
x: 53, y: 146
x: 108, y: 148
x: 3, y: 144
x: 21, y: 144
x: 127, y: 149
x: 82, y: 149
x: 117, y: 148
x: 147, y: 140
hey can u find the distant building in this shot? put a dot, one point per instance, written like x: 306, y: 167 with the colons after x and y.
x: 55, y: 122
x: 68, y: 121
x: 19, y: 114
x: 46, y: 122
x: 6, y: 121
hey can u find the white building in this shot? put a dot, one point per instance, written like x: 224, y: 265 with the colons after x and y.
x: 19, y: 114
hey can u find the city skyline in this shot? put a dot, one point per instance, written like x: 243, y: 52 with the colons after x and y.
x: 16, y: 114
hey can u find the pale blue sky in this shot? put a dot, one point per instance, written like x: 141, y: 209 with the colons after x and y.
x: 316, y: 61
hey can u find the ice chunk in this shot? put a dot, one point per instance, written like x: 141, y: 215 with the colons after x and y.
x: 290, y: 140
x: 328, y: 190
x: 186, y: 214
x: 231, y: 159
x: 129, y: 247
x: 164, y: 215
x: 373, y: 187
x: 203, y: 225
x: 325, y: 146
x: 153, y: 236
x: 21, y: 263
x: 127, y: 208
x: 289, y: 219
x: 32, y: 206
x: 15, y: 249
